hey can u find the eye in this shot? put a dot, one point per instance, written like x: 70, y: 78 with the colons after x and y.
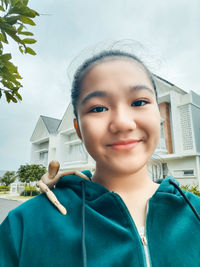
x: 140, y: 103
x: 98, y: 109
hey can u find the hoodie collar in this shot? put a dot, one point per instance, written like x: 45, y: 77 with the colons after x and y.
x: 94, y: 190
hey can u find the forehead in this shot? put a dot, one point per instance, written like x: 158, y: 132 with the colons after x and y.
x: 118, y: 71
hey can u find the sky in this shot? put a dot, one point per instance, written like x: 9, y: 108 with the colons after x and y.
x: 165, y: 34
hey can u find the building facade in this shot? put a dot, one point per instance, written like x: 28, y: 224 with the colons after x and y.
x: 177, y: 154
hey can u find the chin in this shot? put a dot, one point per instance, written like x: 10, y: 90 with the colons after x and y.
x: 127, y: 167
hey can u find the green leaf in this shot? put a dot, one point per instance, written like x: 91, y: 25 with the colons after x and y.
x: 2, y: 9
x: 16, y: 38
x: 7, y: 97
x: 13, y: 24
x: 27, y: 33
x: 23, y: 10
x: 18, y: 96
x: 14, y: 99
x: 5, y: 57
x: 11, y: 77
x: 12, y: 19
x: 4, y: 37
x: 25, y: 2
x: 8, y: 85
x: 11, y: 67
x: 14, y: 2
x: 20, y: 28
x: 17, y: 76
x: 7, y: 27
x: 2, y: 64
x: 21, y: 50
x: 27, y: 20
x: 29, y: 41
x: 30, y: 51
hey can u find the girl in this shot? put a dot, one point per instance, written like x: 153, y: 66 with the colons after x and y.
x: 120, y: 217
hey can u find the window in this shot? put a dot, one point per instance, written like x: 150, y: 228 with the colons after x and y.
x: 183, y: 173
x: 44, y: 158
x: 164, y: 169
x: 188, y: 172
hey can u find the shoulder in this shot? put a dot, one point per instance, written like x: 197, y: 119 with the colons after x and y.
x: 194, y: 199
x: 38, y: 208
x: 170, y: 188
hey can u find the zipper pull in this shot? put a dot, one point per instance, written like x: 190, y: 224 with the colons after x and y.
x: 144, y: 240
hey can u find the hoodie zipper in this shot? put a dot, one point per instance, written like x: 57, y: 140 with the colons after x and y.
x: 142, y: 237
x: 144, y: 240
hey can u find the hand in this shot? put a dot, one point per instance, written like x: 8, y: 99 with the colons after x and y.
x: 50, y: 178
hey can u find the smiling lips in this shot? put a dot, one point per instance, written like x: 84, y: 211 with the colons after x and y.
x: 125, y: 144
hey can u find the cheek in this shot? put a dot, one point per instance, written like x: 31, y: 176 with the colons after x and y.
x: 92, y: 132
x: 154, y: 127
x: 150, y: 122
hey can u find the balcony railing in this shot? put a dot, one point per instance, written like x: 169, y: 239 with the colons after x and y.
x: 161, y: 147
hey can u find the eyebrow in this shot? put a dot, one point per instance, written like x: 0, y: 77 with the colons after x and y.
x: 94, y: 94
x: 103, y: 94
x: 141, y: 87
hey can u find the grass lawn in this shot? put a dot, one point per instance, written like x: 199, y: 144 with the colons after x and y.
x: 15, y: 197
x: 20, y: 197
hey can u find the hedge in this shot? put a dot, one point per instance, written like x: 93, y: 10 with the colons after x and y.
x: 194, y: 189
x: 27, y: 191
x: 4, y: 188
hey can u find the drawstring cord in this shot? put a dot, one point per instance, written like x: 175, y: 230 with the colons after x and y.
x: 186, y: 199
x: 84, y: 252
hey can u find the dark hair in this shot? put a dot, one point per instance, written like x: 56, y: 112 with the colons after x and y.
x: 94, y: 60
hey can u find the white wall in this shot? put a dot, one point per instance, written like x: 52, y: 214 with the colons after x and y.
x: 177, y: 166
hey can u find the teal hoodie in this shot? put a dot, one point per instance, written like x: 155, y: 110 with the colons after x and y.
x: 99, y: 231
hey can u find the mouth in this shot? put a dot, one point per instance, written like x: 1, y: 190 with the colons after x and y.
x: 125, y: 144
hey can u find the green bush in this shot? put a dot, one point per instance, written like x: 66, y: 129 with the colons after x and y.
x: 194, y: 189
x: 27, y: 191
x: 4, y: 188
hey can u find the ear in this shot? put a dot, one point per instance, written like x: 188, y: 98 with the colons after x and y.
x: 76, y: 126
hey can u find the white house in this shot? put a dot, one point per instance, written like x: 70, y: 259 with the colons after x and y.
x: 177, y: 154
x: 17, y: 187
x: 43, y: 140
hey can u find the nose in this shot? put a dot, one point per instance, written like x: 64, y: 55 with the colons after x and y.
x: 122, y: 121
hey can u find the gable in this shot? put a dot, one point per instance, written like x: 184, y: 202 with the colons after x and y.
x: 164, y: 87
x: 40, y: 131
x: 67, y: 120
x: 51, y: 124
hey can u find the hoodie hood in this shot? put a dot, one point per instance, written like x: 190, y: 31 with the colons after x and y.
x: 89, y: 191
x: 93, y: 190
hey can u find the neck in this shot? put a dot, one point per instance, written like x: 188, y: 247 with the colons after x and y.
x: 124, y: 183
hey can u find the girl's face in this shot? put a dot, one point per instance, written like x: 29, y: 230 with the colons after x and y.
x: 118, y: 116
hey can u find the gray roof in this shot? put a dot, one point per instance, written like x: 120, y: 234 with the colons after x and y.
x: 163, y: 80
x: 51, y: 124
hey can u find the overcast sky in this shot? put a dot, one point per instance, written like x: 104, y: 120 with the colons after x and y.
x: 166, y: 34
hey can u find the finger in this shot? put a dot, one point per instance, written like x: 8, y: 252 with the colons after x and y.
x: 48, y: 178
x: 51, y: 182
x: 53, y: 169
x: 51, y: 196
x: 64, y: 173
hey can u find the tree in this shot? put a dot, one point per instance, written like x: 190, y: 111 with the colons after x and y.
x: 15, y: 16
x: 8, y: 178
x: 30, y: 173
